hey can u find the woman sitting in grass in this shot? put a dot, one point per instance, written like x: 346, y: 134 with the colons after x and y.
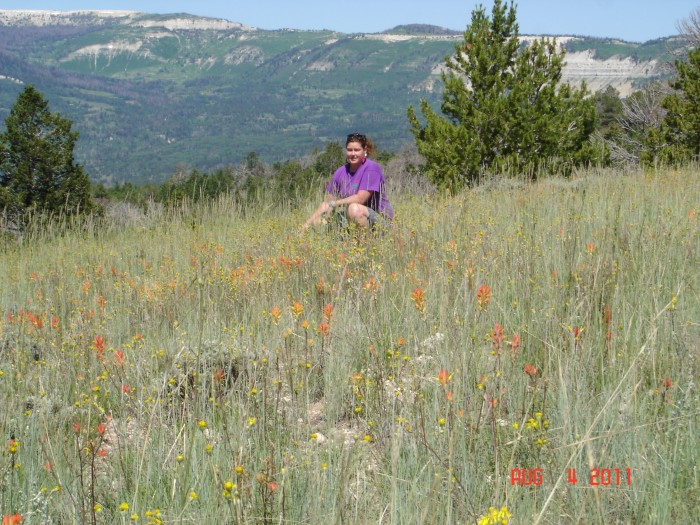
x: 356, y: 189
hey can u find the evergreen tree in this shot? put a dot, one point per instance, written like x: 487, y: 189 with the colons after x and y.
x: 37, y: 167
x: 610, y: 110
x: 329, y: 159
x: 678, y: 137
x: 503, y: 106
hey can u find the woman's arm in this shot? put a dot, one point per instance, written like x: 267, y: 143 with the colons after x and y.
x: 316, y: 215
x: 361, y: 197
x: 330, y: 202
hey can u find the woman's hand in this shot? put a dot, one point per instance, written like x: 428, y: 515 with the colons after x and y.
x: 324, y: 209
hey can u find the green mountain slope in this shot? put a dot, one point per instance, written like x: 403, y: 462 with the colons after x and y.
x: 150, y: 92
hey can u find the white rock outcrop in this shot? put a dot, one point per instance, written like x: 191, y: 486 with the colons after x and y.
x: 135, y: 18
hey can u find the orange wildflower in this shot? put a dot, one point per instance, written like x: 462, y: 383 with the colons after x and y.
x: 664, y: 389
x: 530, y: 370
x: 276, y: 313
x: 371, y: 285
x: 483, y: 296
x: 328, y: 312
x: 443, y: 377
x: 12, y: 519
x: 497, y: 336
x: 321, y: 286
x: 35, y: 319
x: 99, y: 344
x: 297, y: 309
x: 101, y: 429
x: 418, y: 297
x: 324, y: 328
x: 515, y: 342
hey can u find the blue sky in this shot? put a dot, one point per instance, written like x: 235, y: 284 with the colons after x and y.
x: 632, y: 20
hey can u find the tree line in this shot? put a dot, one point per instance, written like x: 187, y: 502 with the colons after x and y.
x: 504, y: 110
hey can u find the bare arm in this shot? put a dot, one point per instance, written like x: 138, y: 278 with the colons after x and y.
x: 361, y: 197
x: 316, y: 215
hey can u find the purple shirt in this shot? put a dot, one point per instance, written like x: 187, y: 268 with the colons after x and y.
x: 368, y: 177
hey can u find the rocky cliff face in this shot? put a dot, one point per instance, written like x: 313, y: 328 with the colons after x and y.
x: 624, y: 74
x: 20, y: 18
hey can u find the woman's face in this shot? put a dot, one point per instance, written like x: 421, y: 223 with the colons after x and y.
x: 355, y: 154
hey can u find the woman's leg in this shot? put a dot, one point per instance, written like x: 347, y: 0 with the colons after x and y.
x: 359, y: 214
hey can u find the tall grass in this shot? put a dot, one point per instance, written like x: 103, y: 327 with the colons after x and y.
x: 213, y: 365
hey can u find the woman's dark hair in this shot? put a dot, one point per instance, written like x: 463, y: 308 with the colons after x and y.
x: 362, y: 139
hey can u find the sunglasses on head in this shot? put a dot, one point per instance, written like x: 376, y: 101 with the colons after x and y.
x: 356, y: 137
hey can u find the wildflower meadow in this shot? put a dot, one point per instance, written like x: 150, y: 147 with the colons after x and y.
x: 516, y: 353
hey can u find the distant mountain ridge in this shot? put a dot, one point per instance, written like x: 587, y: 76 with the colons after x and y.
x: 149, y: 92
x: 422, y: 29
x: 26, y: 18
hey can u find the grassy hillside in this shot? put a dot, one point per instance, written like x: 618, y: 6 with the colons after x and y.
x: 213, y: 365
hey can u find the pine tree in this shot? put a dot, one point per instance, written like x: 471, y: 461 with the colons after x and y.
x: 37, y: 167
x: 678, y: 137
x: 609, y: 109
x: 503, y: 107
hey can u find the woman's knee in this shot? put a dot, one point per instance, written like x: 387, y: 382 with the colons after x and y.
x: 356, y: 211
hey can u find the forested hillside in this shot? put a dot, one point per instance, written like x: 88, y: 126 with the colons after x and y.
x: 149, y: 93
